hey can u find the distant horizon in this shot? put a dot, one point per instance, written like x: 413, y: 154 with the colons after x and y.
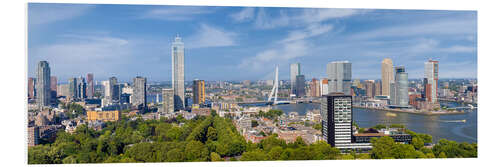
x: 245, y: 43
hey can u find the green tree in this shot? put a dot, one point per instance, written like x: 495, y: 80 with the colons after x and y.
x: 196, y: 151
x: 215, y: 157
x: 417, y: 143
x: 381, y: 147
x: 255, y: 155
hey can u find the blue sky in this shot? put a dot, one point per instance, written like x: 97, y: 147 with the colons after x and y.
x: 238, y: 43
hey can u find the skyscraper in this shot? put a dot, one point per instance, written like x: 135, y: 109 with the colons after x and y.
x: 31, y: 87
x: 336, y: 114
x: 168, y: 100
x: 300, y: 86
x: 431, y: 74
x: 378, y: 88
x: 400, y: 88
x: 53, y: 83
x: 178, y: 72
x: 294, y: 71
x: 339, y: 76
x: 73, y: 89
x: 43, y: 84
x: 370, y: 88
x: 114, y: 89
x: 90, y: 85
x: 198, y: 91
x: 139, y: 95
x: 324, y: 86
x: 315, y: 88
x: 81, y: 88
x: 387, y: 76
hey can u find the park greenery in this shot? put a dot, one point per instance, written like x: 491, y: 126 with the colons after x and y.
x: 214, y: 138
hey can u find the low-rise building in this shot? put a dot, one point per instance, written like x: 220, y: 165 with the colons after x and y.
x: 103, y: 115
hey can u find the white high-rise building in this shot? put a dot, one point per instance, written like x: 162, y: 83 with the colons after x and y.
x: 339, y: 76
x: 294, y: 71
x: 178, y: 73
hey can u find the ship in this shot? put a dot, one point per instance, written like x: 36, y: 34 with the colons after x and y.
x: 389, y: 114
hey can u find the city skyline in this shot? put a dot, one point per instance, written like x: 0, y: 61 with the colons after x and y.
x: 105, y: 51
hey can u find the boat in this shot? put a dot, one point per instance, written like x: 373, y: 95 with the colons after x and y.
x: 389, y: 114
x: 458, y: 121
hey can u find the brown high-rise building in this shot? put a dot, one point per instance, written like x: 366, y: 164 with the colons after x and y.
x: 378, y: 88
x: 315, y: 88
x: 53, y: 83
x: 31, y: 87
x: 370, y: 88
x: 90, y: 85
x: 198, y: 91
x: 387, y: 76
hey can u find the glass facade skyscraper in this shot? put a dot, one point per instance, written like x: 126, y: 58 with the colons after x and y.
x: 339, y: 77
x: 400, y: 88
x: 139, y: 95
x: 178, y: 73
x: 294, y: 71
x: 43, y: 84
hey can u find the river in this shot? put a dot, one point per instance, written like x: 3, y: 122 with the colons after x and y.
x: 438, y: 126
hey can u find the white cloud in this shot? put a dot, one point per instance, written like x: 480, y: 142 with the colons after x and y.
x: 176, y: 13
x: 280, y: 55
x: 459, y: 49
x: 319, y: 15
x: 264, y: 21
x: 82, y: 53
x: 246, y: 13
x: 48, y: 13
x: 310, y: 31
x: 436, y: 27
x: 302, y: 17
x: 208, y: 36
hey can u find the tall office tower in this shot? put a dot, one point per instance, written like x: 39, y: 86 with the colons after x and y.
x: 73, y: 89
x: 431, y: 74
x: 139, y: 95
x: 324, y: 86
x: 114, y: 89
x: 400, y: 88
x: 106, y: 100
x: 315, y: 88
x: 387, y: 76
x: 106, y: 89
x: 81, y: 88
x: 336, y: 114
x: 31, y: 87
x: 168, y: 100
x: 370, y: 88
x: 378, y: 88
x: 43, y: 84
x: 339, y: 76
x: 178, y: 73
x: 53, y: 83
x: 300, y: 86
x: 294, y: 71
x: 90, y: 85
x: 198, y: 91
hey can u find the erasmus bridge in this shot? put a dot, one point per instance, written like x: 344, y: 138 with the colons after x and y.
x: 273, y: 96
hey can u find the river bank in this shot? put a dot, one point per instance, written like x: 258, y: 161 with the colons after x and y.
x: 411, y: 111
